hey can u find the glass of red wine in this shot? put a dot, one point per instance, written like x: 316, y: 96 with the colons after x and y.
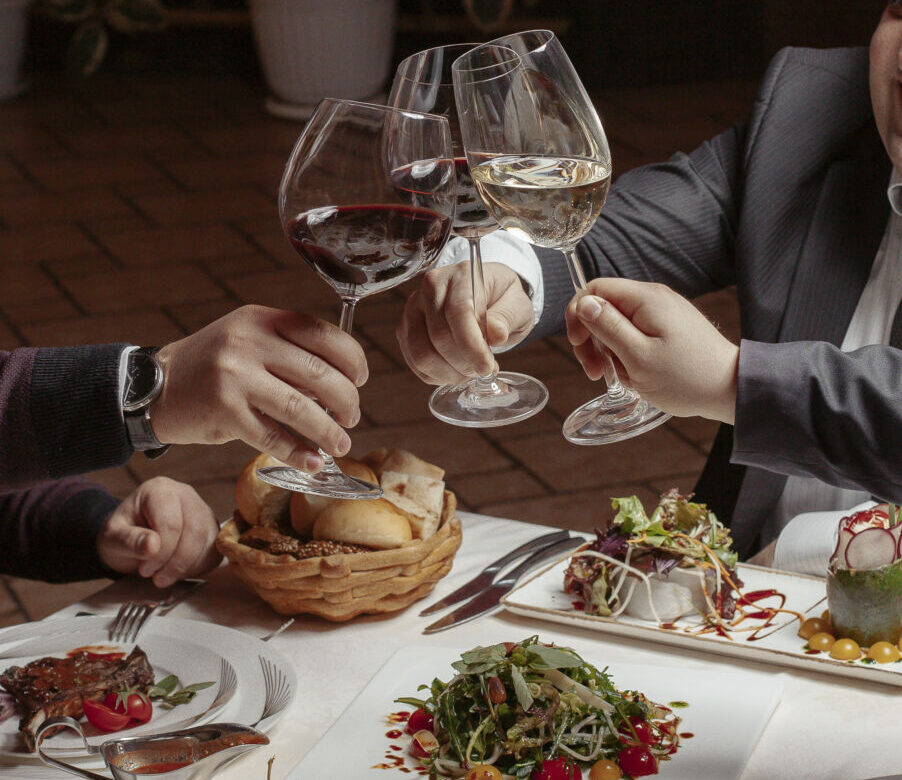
x: 423, y: 83
x: 367, y: 201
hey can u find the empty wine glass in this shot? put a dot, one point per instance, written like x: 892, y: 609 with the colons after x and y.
x: 540, y: 159
x: 367, y: 201
x: 423, y: 83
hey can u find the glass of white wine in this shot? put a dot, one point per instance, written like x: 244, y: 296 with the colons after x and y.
x: 540, y: 159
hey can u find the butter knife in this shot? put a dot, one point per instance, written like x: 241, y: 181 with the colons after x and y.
x: 485, y: 577
x: 488, y: 599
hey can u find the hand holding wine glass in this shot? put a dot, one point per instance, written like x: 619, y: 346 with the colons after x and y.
x: 541, y: 161
x: 366, y: 200
x: 423, y: 83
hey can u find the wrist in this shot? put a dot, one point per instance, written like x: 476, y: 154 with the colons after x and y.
x: 143, y: 385
x: 724, y: 405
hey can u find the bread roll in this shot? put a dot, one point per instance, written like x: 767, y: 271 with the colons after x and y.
x: 376, y: 524
x: 304, y: 507
x: 258, y: 502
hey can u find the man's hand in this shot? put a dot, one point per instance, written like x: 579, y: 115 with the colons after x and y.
x: 162, y: 530
x: 662, y: 346
x: 439, y: 335
x: 266, y: 377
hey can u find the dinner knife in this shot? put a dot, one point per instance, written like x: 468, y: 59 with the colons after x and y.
x: 488, y: 599
x: 485, y: 577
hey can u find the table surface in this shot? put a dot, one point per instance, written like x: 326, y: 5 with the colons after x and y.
x: 824, y: 727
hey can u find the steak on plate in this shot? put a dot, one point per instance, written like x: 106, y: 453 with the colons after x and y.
x: 49, y: 686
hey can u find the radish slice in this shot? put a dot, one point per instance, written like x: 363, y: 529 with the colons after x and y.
x: 872, y: 548
x: 842, y: 542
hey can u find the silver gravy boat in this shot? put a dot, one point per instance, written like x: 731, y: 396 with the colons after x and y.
x: 188, y: 754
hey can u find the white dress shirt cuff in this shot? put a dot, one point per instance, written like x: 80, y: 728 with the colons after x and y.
x: 807, y: 541
x: 502, y: 247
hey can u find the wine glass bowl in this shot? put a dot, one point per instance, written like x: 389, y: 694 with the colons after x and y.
x: 423, y: 82
x: 367, y: 201
x: 540, y: 159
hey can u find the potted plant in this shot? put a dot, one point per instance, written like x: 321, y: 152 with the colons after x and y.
x: 311, y: 49
x: 94, y: 22
x: 13, y: 28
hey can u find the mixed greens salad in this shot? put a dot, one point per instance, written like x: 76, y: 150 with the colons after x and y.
x: 531, y: 710
x: 678, y: 534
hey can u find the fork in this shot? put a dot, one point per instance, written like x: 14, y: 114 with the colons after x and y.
x: 130, y: 620
x: 278, y: 690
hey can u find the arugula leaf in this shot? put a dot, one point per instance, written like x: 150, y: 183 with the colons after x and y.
x: 163, y: 688
x: 542, y: 658
x: 524, y: 697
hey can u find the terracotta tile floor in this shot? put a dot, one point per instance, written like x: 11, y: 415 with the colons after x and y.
x: 140, y: 209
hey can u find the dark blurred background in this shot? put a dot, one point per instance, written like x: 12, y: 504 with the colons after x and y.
x: 612, y: 42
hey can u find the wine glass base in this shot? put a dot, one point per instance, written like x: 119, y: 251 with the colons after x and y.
x: 515, y: 397
x: 329, y: 482
x: 604, y: 421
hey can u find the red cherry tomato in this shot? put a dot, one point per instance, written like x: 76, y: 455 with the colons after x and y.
x: 637, y: 761
x: 102, y: 717
x: 557, y: 769
x: 642, y: 731
x: 136, y: 705
x: 419, y: 720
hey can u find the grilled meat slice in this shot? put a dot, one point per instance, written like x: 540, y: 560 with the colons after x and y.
x: 56, y: 686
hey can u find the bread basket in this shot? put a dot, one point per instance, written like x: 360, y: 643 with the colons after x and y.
x: 341, y: 586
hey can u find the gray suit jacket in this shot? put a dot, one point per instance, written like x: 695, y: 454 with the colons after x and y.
x: 791, y: 208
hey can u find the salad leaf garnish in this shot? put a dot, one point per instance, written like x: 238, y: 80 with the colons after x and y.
x: 165, y: 691
x: 521, y: 689
x: 544, y: 657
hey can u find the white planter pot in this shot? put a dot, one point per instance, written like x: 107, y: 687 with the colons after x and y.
x: 311, y: 49
x: 13, y: 32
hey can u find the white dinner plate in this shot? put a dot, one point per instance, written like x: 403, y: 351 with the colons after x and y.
x: 192, y: 650
x: 724, y: 727
x: 542, y: 597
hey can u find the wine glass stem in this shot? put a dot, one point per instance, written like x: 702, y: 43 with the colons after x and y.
x: 482, y: 384
x: 615, y: 386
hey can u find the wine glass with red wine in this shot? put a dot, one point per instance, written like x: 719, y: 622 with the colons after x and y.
x: 367, y: 201
x: 423, y: 83
x: 542, y: 164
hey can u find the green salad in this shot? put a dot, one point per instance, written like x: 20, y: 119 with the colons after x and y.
x: 531, y: 710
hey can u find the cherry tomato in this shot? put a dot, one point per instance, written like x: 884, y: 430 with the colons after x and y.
x: 642, y: 731
x: 102, y: 717
x: 132, y: 703
x: 423, y: 744
x: 483, y: 772
x: 637, y: 761
x: 419, y: 720
x: 883, y: 653
x: 821, y: 641
x: 845, y: 650
x: 557, y: 769
x: 605, y: 770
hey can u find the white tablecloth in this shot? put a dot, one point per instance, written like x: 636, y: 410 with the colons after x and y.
x: 824, y: 727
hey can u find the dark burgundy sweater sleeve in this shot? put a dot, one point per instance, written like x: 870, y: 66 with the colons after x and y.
x: 59, y: 416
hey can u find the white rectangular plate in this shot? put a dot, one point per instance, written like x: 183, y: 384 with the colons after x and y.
x: 543, y: 596
x: 720, y: 746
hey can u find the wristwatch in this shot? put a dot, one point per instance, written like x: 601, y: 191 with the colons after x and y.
x: 143, y: 385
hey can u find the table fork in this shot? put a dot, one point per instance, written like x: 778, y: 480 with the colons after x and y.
x: 130, y: 620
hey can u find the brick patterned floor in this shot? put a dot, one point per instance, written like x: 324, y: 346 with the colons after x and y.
x: 140, y: 209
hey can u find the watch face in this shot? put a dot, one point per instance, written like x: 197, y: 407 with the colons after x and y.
x: 141, y: 382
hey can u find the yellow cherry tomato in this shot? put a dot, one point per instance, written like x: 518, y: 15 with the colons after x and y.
x: 845, y: 650
x: 821, y: 641
x: 825, y: 616
x: 605, y: 770
x: 883, y: 653
x: 813, y: 626
x: 483, y: 772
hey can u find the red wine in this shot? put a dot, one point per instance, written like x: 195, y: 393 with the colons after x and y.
x: 363, y: 249
x: 471, y: 218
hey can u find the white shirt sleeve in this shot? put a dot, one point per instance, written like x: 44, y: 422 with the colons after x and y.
x: 807, y: 541
x: 502, y: 247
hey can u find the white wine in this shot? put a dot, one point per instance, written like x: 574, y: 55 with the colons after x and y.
x: 548, y: 201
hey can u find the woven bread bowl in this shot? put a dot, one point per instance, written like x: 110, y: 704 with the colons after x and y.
x: 341, y: 586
